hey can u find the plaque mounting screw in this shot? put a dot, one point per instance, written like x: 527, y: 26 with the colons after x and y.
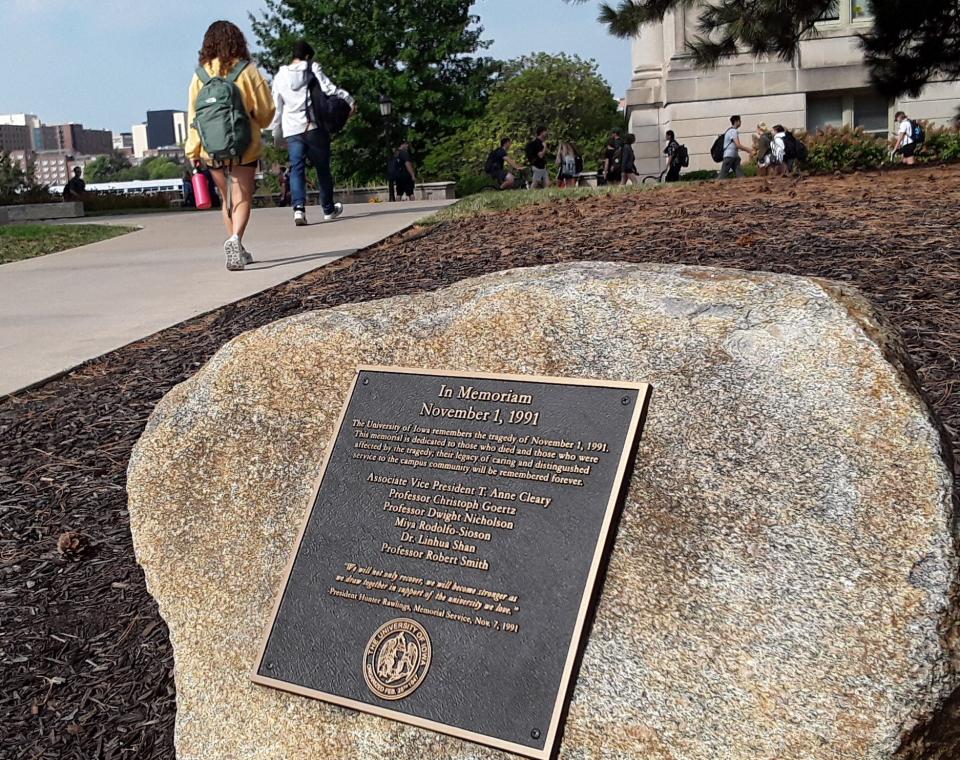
x: 625, y: 400
x: 535, y: 734
x: 366, y: 381
x: 269, y: 666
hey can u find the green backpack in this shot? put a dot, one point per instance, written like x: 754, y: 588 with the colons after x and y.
x: 221, y: 117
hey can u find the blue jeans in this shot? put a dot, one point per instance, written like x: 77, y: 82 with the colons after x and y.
x: 312, y: 146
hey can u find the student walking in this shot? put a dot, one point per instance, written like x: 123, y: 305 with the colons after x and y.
x: 628, y: 162
x: 906, y: 146
x: 567, y: 165
x: 731, y: 150
x: 306, y: 140
x: 224, y: 137
x: 765, y: 158
x: 536, y: 152
x: 672, y: 152
x: 611, y: 158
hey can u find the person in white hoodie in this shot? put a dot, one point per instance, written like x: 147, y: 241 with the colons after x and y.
x: 306, y: 141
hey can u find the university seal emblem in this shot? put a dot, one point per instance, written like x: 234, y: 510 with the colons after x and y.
x: 397, y: 658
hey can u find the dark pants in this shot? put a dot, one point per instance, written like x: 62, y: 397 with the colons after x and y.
x: 405, y: 185
x: 673, y: 173
x: 312, y: 146
x: 731, y: 167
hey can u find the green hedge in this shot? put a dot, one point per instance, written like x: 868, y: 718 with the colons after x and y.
x: 850, y: 148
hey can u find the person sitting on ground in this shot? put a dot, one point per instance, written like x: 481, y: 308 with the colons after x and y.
x: 567, y: 165
x: 224, y: 53
x: 611, y: 158
x: 406, y: 176
x: 76, y: 187
x: 306, y: 140
x: 672, y: 152
x: 536, y: 152
x: 905, y: 145
x: 628, y: 162
x: 731, y: 150
x: 764, y: 151
x: 495, y: 165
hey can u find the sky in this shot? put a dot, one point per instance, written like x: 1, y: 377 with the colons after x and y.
x: 104, y: 63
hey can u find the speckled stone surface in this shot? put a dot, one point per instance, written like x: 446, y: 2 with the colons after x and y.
x: 781, y: 583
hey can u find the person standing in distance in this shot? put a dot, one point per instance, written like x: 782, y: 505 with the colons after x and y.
x: 672, y: 152
x: 306, y: 141
x: 731, y: 150
x: 224, y: 53
x: 536, y: 153
x: 406, y: 175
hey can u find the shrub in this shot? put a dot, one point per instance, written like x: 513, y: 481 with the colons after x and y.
x: 471, y: 184
x: 843, y: 149
x: 698, y: 175
x: 942, y: 144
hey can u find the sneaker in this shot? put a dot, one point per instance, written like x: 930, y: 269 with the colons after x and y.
x: 245, y: 255
x: 299, y: 217
x: 337, y: 210
x: 232, y: 249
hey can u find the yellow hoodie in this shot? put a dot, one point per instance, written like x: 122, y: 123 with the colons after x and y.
x: 256, y: 97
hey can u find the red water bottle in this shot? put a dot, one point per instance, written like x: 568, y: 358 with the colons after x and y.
x: 201, y: 189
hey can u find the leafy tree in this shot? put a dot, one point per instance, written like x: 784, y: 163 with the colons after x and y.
x: 565, y: 94
x: 162, y: 167
x: 106, y: 168
x: 422, y: 54
x: 726, y: 27
x: 13, y: 178
x: 912, y: 41
x: 911, y: 44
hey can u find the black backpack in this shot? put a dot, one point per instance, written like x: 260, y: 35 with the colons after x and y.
x: 683, y: 156
x: 793, y: 148
x: 578, y: 163
x: 490, y: 165
x: 716, y: 150
x: 330, y: 111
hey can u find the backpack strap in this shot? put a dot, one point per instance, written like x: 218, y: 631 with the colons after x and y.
x: 236, y: 72
x: 202, y: 75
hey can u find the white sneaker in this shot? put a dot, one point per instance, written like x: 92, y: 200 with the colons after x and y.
x: 232, y: 249
x: 245, y: 255
x: 337, y: 210
x: 299, y: 217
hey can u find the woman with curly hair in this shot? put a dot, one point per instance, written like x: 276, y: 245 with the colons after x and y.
x: 225, y: 54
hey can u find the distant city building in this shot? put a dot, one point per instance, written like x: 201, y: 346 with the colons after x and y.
x: 14, y: 137
x: 140, y: 144
x: 827, y: 86
x: 75, y: 138
x: 166, y: 128
x: 122, y: 140
x: 28, y: 120
x: 174, y: 152
x: 53, y: 167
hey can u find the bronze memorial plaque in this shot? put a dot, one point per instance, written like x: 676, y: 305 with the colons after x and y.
x: 445, y: 571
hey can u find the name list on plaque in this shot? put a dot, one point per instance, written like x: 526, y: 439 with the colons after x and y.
x: 444, y: 573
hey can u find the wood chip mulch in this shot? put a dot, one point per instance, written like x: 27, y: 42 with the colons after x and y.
x: 85, y: 662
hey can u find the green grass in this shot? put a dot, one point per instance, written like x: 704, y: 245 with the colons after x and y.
x: 493, y: 200
x: 24, y: 241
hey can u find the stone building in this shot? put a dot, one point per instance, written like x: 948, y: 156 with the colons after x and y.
x: 827, y: 86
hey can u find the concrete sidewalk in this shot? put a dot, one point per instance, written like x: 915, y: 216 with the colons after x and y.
x: 60, y: 310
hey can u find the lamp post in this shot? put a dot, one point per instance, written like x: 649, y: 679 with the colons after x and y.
x: 386, y: 109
